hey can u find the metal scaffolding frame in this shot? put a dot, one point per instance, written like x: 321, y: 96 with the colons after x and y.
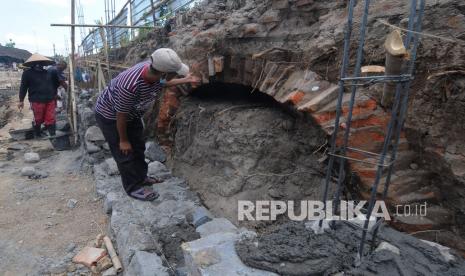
x: 386, y: 159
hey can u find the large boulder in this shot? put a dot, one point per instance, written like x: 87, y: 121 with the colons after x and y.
x: 94, y: 134
x: 146, y: 264
x: 159, y: 171
x: 28, y: 171
x: 31, y: 157
x: 154, y: 152
x: 112, y: 167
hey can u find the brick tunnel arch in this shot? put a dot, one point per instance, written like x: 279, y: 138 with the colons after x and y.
x: 233, y: 142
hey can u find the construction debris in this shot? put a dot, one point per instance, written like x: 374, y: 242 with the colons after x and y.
x: 114, y: 257
x: 89, y: 256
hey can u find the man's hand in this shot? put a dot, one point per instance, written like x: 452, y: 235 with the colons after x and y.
x: 20, y: 106
x: 192, y: 79
x: 125, y: 147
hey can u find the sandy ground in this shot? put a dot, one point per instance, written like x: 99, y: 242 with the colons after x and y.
x: 37, y: 228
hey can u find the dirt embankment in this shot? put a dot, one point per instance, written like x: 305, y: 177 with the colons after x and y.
x: 233, y: 145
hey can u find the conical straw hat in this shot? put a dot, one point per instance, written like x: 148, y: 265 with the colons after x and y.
x: 38, y: 59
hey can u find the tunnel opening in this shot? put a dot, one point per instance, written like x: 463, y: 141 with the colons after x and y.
x: 232, y: 142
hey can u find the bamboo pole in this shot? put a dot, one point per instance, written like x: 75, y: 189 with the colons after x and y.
x: 114, y: 257
x: 72, y: 64
x: 100, y: 26
x: 395, y: 55
x: 152, y: 10
x: 130, y: 19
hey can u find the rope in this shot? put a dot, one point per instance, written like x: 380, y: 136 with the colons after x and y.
x: 458, y: 41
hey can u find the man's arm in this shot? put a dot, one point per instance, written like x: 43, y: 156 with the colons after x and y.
x: 121, y: 125
x: 64, y: 84
x: 188, y: 79
x: 124, y: 103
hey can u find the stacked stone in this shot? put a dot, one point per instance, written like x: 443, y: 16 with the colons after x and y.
x: 174, y: 235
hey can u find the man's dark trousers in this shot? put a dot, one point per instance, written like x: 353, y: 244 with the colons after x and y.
x: 132, y: 167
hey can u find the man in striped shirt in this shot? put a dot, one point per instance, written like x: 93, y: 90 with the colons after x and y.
x: 119, y: 110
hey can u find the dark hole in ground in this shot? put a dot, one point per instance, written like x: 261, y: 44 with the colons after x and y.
x: 234, y: 93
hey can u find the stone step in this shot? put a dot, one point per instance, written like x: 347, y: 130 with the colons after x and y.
x: 216, y: 225
x: 215, y: 254
x: 418, y: 196
x: 320, y: 100
x: 412, y: 218
x: 404, y: 181
x: 407, y: 181
x: 331, y: 106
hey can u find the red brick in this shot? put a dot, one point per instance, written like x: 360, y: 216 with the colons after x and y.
x: 89, y: 256
x: 321, y: 118
x: 295, y: 97
x: 371, y: 121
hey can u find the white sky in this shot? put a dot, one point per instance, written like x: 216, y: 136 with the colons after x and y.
x: 27, y: 22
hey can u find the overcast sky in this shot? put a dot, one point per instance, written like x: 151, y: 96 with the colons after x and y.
x: 27, y: 22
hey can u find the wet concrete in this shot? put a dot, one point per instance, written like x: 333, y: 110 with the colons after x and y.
x: 291, y: 249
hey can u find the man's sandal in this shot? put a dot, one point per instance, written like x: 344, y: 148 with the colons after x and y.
x: 144, y: 194
x: 152, y: 181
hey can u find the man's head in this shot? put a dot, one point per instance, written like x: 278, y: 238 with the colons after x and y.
x: 61, y: 65
x: 166, y: 64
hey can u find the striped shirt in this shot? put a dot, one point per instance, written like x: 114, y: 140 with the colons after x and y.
x: 128, y: 93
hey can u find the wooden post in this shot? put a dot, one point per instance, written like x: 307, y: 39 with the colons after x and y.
x: 100, y: 77
x: 105, y: 49
x: 71, y: 68
x: 107, y: 52
x: 395, y: 55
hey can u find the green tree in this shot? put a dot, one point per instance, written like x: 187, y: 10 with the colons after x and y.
x: 10, y: 44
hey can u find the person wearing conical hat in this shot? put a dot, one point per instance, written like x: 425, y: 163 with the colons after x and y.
x: 41, y: 87
x: 119, y: 110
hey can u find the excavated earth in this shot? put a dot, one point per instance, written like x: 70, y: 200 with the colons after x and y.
x: 236, y: 145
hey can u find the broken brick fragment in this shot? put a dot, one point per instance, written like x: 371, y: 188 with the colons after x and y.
x: 89, y: 256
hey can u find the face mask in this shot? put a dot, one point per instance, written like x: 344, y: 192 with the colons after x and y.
x: 162, y: 81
